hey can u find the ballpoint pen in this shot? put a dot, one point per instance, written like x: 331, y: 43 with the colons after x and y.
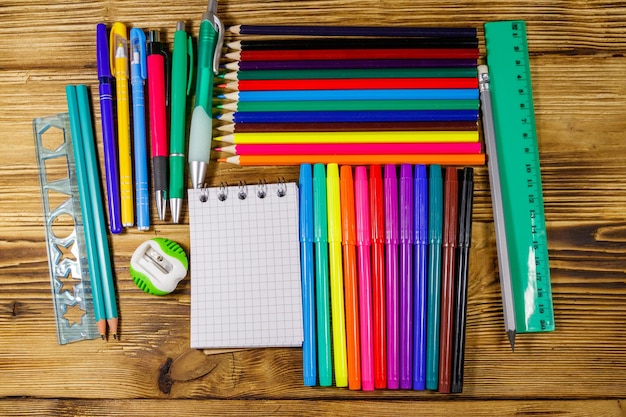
x: 155, y: 58
x: 340, y: 361
x: 406, y: 275
x: 320, y: 239
x: 363, y: 243
x: 420, y: 274
x: 108, y: 129
x: 435, y: 231
x: 119, y: 68
x: 182, y: 68
x: 210, y: 40
x: 498, y: 205
x: 140, y: 152
x: 309, y: 355
x: 391, y: 272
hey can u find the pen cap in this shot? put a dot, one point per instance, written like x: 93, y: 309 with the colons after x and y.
x: 306, y: 203
x: 102, y: 51
x: 138, y: 51
x: 320, y: 232
x: 435, y: 204
x: 451, y: 206
x: 466, y: 197
x: 377, y: 218
x: 391, y: 205
x: 406, y: 203
x: 348, y: 227
x: 420, y: 209
x: 361, y: 206
x: 333, y: 202
x: 118, y: 44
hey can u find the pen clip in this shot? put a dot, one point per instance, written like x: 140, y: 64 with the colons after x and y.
x: 138, y: 51
x: 190, y: 63
x: 117, y: 38
x: 219, y: 28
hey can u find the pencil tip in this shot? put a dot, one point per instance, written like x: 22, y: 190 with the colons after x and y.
x: 511, y: 334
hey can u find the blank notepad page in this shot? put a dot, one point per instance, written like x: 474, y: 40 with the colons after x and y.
x: 245, y: 266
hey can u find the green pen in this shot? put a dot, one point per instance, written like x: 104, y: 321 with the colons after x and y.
x: 210, y: 41
x: 181, y: 86
x: 435, y: 232
x: 322, y: 280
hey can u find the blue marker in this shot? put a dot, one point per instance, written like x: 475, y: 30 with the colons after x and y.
x: 306, y: 264
x: 322, y: 283
x: 420, y: 272
x: 138, y: 74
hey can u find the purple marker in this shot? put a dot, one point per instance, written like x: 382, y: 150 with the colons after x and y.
x: 391, y: 273
x: 406, y: 275
x: 108, y: 131
x: 420, y: 274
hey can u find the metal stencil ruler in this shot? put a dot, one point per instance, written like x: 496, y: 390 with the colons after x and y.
x: 65, y: 241
x: 518, y: 158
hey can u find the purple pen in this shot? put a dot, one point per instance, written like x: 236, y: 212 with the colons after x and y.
x: 391, y: 274
x: 420, y: 274
x: 406, y: 275
x: 108, y: 131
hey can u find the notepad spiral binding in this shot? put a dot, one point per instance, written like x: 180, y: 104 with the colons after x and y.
x: 242, y: 193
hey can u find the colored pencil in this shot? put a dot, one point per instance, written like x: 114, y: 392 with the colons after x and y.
x: 351, y: 84
x: 351, y: 116
x: 391, y: 31
x: 318, y: 74
x: 466, y: 200
x: 353, y: 148
x: 285, y: 160
x: 349, y: 105
x: 351, y: 64
x: 350, y: 54
x: 351, y: 43
x: 340, y: 95
x: 348, y: 236
x: 450, y: 231
x: 363, y: 126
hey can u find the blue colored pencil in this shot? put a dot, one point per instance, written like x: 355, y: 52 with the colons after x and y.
x: 351, y: 116
x: 334, y: 95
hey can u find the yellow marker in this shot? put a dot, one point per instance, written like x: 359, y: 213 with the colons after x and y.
x: 336, y: 276
x: 119, y: 69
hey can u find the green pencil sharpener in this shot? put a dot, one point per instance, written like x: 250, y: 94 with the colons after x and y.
x: 158, y: 265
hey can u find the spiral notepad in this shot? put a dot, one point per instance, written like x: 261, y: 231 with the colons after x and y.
x: 245, y: 266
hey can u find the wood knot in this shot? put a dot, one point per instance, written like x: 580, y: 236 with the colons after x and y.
x: 165, y: 381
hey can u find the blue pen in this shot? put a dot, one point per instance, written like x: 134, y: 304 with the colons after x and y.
x: 435, y: 235
x: 138, y: 74
x: 309, y: 355
x: 420, y: 264
x: 322, y: 283
x: 352, y: 116
x: 406, y: 275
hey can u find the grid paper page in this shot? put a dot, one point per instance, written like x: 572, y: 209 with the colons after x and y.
x: 245, y: 268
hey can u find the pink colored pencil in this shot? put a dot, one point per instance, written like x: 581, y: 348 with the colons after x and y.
x: 353, y: 148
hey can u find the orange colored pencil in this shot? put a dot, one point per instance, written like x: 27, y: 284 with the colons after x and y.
x: 348, y: 225
x: 441, y: 159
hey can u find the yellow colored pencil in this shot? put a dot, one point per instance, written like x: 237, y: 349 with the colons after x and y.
x: 350, y: 137
x: 441, y: 159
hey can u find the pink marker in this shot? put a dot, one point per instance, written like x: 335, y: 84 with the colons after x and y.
x: 363, y: 236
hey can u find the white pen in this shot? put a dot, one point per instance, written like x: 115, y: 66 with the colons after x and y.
x: 496, y: 201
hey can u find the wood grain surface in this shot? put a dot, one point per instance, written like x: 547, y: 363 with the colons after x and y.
x: 577, y: 60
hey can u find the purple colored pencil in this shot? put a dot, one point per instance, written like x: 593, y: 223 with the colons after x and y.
x: 369, y: 31
x: 351, y: 64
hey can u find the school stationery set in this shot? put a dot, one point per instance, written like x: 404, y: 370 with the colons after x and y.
x: 364, y: 262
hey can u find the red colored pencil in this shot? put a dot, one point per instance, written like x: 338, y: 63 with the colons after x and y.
x: 351, y: 84
x: 349, y: 54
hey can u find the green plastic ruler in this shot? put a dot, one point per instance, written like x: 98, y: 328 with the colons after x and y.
x: 520, y: 175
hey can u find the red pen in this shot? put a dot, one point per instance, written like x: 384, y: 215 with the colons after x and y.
x: 377, y: 219
x: 158, y: 129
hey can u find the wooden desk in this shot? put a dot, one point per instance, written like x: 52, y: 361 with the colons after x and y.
x: 577, y: 60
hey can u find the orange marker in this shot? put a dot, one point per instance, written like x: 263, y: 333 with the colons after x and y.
x: 348, y: 225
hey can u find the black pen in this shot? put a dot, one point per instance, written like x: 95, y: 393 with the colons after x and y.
x: 466, y: 199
